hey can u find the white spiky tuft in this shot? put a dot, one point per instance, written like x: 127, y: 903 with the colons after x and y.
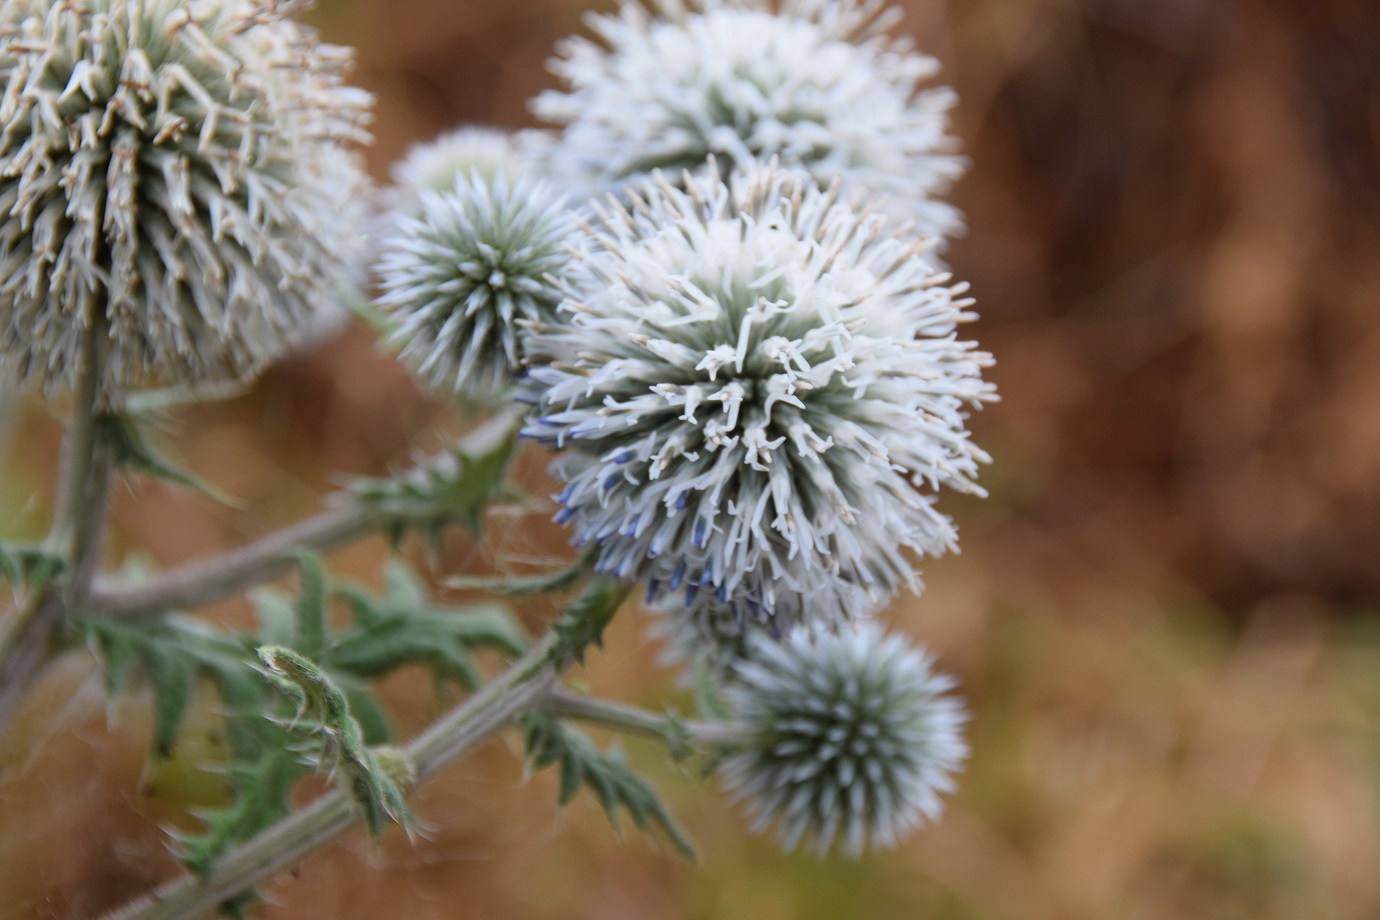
x: 853, y: 739
x: 816, y: 83
x: 177, y: 173
x: 459, y: 279
x: 756, y: 395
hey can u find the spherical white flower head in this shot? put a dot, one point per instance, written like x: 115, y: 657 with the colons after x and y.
x: 459, y: 279
x: 437, y: 164
x: 853, y: 739
x: 757, y: 392
x: 816, y: 83
x: 175, y: 172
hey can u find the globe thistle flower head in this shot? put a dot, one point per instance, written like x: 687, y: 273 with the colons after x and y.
x: 176, y: 175
x: 853, y: 739
x: 816, y: 83
x: 437, y: 164
x: 756, y: 392
x: 459, y: 279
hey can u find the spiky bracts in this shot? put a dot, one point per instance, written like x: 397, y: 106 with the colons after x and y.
x: 852, y: 737
x: 459, y: 279
x: 756, y: 393
x: 816, y: 83
x: 177, y: 174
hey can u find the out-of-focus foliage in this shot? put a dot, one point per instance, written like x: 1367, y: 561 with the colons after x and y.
x: 1165, y: 619
x: 294, y: 696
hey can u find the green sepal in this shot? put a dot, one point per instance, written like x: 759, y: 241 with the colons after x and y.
x: 606, y: 775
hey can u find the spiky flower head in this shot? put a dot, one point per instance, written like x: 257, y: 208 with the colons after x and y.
x: 817, y: 83
x: 757, y: 391
x: 853, y: 739
x: 177, y: 176
x: 435, y: 165
x: 460, y: 278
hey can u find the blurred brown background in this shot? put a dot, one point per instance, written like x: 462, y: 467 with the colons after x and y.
x: 1165, y: 616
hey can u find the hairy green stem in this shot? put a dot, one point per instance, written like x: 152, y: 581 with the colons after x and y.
x: 74, y: 536
x: 73, y: 514
x: 637, y: 721
x: 210, y: 580
x: 519, y: 688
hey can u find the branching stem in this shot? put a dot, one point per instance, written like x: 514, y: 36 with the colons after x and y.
x: 527, y: 681
x: 637, y: 721
x: 75, y: 533
x: 210, y: 580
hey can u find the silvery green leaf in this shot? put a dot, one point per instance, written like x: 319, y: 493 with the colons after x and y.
x: 403, y: 627
x: 606, y: 775
x: 170, y: 653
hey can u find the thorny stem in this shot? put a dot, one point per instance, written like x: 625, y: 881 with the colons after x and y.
x: 637, y: 721
x: 210, y: 580
x: 520, y: 687
x: 75, y: 534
